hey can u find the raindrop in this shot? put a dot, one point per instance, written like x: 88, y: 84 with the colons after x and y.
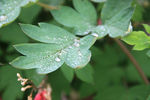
x: 76, y: 44
x: 79, y: 53
x: 57, y: 59
x: 86, y: 32
x: 2, y: 18
x: 95, y: 34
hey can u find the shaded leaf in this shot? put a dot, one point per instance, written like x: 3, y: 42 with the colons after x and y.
x: 13, y: 34
x: 68, y: 72
x: 85, y: 74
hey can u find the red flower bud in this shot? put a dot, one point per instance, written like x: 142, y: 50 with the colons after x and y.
x: 40, y: 95
x: 99, y: 22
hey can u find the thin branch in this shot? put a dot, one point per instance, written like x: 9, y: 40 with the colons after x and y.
x: 132, y: 59
x: 46, y: 6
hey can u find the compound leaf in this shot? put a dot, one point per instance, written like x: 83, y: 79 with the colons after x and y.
x: 59, y: 46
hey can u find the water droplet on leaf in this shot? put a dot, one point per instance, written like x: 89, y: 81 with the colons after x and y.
x: 2, y: 18
x: 95, y: 34
x: 57, y: 59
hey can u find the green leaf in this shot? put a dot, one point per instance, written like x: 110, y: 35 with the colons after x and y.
x: 86, y: 90
x: 10, y: 86
x: 147, y: 28
x: 53, y: 2
x: 106, y: 68
x: 10, y: 10
x: 88, y: 12
x: 148, y: 53
x: 58, y: 48
x: 98, y: 1
x: 47, y: 61
x: 67, y: 72
x: 77, y: 58
x: 37, y: 49
x: 33, y: 11
x: 139, y: 39
x: 138, y: 13
x: 85, y: 74
x: 116, y: 17
x: 13, y: 34
x: 48, y: 33
x: 34, y: 76
x: 82, y: 21
x: 139, y: 92
x: 113, y: 93
x: 143, y: 60
x: 55, y: 79
x: 113, y: 7
x: 8, y: 83
x: 148, y: 98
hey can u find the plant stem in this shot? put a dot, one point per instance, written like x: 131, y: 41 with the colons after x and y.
x: 133, y: 60
x: 46, y: 6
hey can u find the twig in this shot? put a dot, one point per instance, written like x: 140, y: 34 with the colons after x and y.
x: 46, y: 6
x: 132, y: 59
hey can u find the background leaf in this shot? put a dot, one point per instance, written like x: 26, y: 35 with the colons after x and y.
x: 9, y: 12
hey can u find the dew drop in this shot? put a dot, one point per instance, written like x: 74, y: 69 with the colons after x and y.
x: 86, y: 32
x: 76, y: 44
x: 57, y: 59
x: 95, y: 34
x: 79, y: 53
x: 2, y: 18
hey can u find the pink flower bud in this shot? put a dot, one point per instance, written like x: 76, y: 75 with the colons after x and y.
x: 99, y: 22
x: 40, y: 95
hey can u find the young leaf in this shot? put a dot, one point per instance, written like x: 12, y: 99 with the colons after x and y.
x: 57, y: 48
x: 147, y: 28
x: 10, y: 10
x: 139, y: 39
